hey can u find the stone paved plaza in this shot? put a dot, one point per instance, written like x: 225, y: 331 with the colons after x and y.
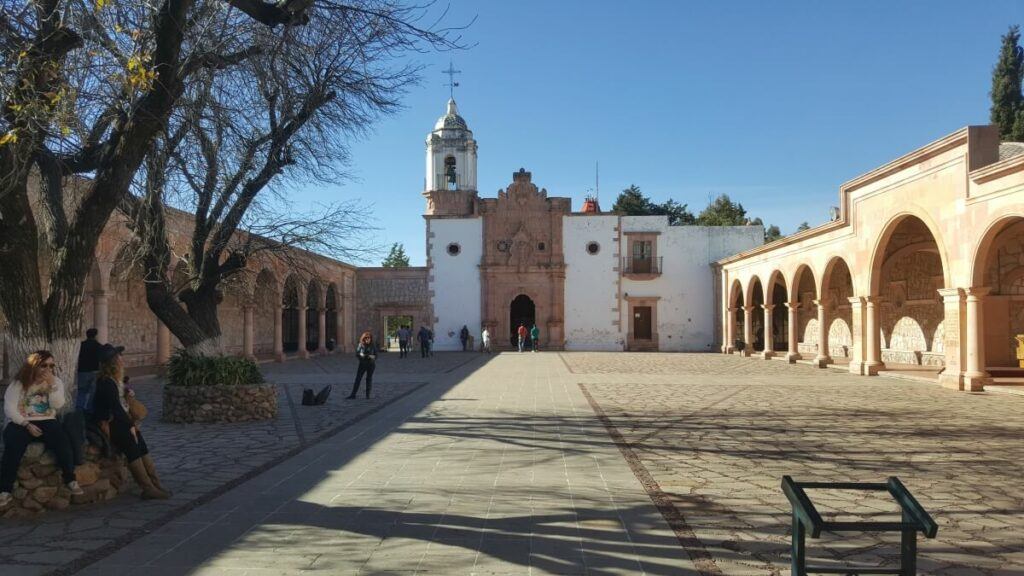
x: 553, y: 463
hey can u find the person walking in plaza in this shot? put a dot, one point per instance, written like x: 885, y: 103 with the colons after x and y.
x: 88, y: 365
x: 112, y: 410
x: 485, y: 339
x: 464, y: 337
x: 534, y: 338
x: 366, y: 351
x: 521, y: 333
x: 31, y: 404
x: 403, y: 341
x: 424, y: 337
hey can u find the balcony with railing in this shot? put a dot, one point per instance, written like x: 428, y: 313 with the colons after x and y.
x: 641, y: 268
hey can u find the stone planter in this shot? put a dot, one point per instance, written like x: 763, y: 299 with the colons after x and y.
x: 39, y: 486
x: 219, y: 403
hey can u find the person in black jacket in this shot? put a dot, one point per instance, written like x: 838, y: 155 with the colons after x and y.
x: 88, y: 364
x: 111, y: 407
x: 367, y: 354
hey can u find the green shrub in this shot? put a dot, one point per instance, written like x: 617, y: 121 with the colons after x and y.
x: 189, y: 369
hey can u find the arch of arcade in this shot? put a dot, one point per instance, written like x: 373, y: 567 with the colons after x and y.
x: 922, y: 269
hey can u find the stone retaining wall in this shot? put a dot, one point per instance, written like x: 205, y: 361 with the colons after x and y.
x: 219, y: 403
x: 39, y: 486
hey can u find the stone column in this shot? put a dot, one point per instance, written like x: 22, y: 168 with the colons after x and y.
x: 247, y: 331
x: 975, y: 376
x: 872, y: 337
x: 350, y: 320
x: 278, y: 334
x: 857, y: 332
x: 769, y: 337
x: 748, y: 330
x: 303, y: 353
x: 954, y: 338
x: 100, y: 316
x: 163, y: 343
x: 793, y: 354
x: 339, y: 329
x: 321, y: 326
x: 730, y: 330
x: 823, y: 358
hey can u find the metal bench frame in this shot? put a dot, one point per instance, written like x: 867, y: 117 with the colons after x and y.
x: 807, y: 521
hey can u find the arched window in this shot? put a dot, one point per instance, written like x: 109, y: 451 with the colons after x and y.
x: 449, y: 173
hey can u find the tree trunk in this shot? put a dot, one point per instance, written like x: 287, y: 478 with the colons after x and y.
x: 65, y: 355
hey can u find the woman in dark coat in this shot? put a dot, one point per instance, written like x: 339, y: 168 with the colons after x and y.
x: 367, y: 354
x: 111, y: 407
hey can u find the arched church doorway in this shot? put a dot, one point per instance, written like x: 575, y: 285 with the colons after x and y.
x: 522, y: 311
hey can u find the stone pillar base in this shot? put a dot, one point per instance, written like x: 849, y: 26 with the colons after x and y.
x: 766, y: 355
x: 856, y: 368
x: 304, y: 354
x: 953, y: 381
x: 279, y: 357
x: 975, y: 382
x: 745, y: 352
x: 792, y: 357
x: 822, y: 361
x: 873, y: 368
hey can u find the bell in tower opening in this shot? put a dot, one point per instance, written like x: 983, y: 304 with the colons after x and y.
x: 449, y: 170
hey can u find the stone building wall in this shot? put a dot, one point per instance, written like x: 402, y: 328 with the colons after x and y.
x: 382, y: 292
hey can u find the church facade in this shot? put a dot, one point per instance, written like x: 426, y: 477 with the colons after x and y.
x: 588, y: 280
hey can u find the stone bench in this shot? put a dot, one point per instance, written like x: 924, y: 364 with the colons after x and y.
x: 39, y: 486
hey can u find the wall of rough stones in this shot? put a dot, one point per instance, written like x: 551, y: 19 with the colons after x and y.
x: 186, y: 404
x: 397, y: 291
x: 912, y: 313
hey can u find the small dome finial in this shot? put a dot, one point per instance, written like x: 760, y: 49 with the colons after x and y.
x: 452, y: 109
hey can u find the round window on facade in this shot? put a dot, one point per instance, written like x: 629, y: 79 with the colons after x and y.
x: 541, y: 246
x: 454, y: 249
x: 593, y: 248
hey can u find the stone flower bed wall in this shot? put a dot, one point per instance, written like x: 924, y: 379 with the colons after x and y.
x: 39, y: 486
x: 219, y: 403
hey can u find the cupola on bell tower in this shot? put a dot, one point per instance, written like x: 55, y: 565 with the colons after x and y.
x: 450, y: 183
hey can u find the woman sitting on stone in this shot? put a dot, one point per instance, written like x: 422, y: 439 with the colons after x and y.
x: 31, y: 404
x: 111, y: 407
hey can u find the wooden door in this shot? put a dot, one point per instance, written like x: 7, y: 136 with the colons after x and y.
x: 642, y: 322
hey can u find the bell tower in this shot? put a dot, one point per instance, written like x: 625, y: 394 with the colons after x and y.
x: 450, y: 182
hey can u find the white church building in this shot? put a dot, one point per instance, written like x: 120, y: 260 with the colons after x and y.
x: 589, y: 280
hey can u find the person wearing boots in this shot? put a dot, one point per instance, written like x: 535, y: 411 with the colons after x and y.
x: 367, y: 354
x: 31, y: 404
x: 111, y: 408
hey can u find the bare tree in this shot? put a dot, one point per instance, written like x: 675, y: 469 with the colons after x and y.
x: 86, y: 88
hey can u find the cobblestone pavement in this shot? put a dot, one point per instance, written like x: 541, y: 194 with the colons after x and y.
x: 717, y: 433
x: 496, y: 468
x: 197, y: 461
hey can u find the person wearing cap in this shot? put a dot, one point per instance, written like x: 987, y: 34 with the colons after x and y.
x: 31, y: 404
x: 111, y: 407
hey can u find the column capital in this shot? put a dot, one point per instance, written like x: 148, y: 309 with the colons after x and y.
x: 792, y: 305
x: 822, y: 302
x: 731, y: 308
x: 768, y: 307
x: 749, y: 308
x: 872, y: 300
x: 978, y: 292
x: 856, y: 300
x: 951, y: 295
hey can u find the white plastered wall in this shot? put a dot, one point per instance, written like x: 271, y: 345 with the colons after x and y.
x: 687, y: 299
x: 455, y: 280
x: 591, y: 283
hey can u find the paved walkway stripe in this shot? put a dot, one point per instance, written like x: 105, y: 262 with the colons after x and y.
x: 701, y: 558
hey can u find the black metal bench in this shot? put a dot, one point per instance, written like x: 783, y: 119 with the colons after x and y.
x: 807, y: 521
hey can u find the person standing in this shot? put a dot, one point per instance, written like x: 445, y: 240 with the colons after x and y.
x: 521, y: 332
x: 424, y: 337
x: 485, y: 339
x: 366, y: 351
x: 31, y: 404
x: 112, y: 409
x: 430, y: 342
x: 464, y: 337
x: 403, y: 341
x: 534, y: 338
x: 88, y: 365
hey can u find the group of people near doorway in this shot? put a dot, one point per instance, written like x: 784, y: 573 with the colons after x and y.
x: 104, y: 405
x: 425, y: 336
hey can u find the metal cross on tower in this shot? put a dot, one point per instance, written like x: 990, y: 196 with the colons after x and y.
x: 451, y: 72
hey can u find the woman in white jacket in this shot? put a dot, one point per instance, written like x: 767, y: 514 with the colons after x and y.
x: 31, y: 404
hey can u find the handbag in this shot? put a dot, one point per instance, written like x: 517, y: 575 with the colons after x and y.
x: 137, y: 411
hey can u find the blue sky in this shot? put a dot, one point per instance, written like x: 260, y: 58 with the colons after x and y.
x: 773, y: 103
